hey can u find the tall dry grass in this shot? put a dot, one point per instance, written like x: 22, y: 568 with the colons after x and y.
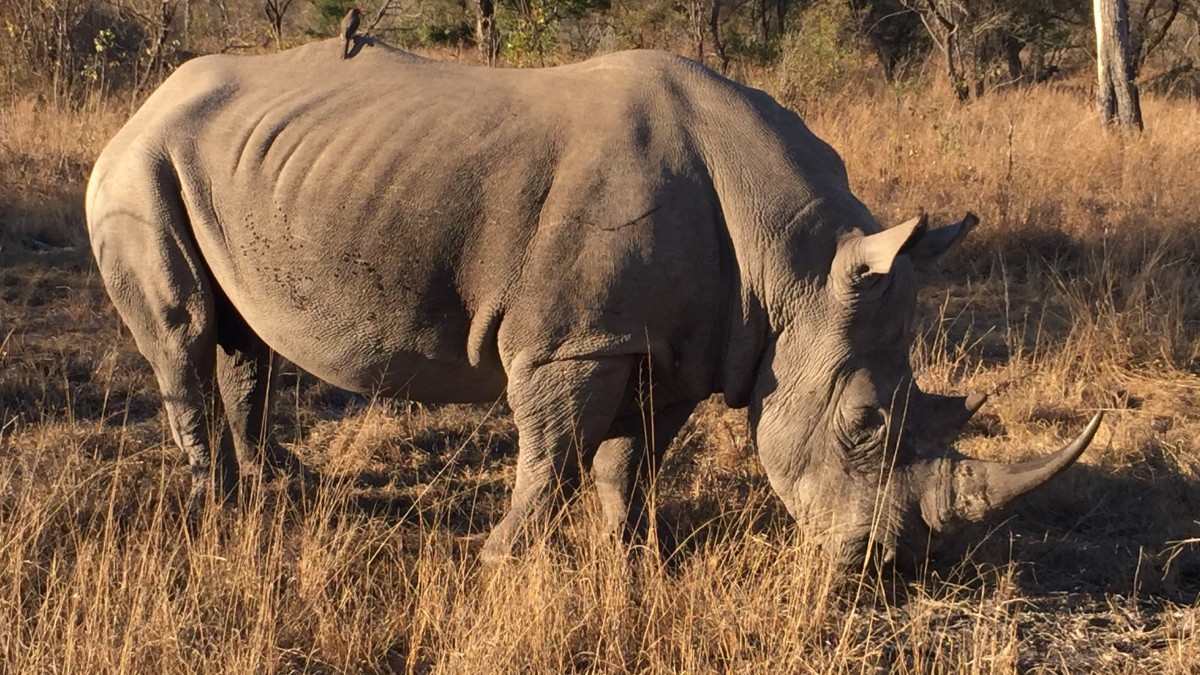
x: 45, y: 156
x: 1079, y: 292
x: 101, y: 574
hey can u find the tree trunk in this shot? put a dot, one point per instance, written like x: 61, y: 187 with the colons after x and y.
x: 1012, y: 54
x: 696, y: 23
x: 486, y: 34
x: 187, y: 24
x: 949, y: 24
x: 1117, y: 95
x: 764, y: 22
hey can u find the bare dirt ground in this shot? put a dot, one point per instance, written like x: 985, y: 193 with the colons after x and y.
x: 1079, y: 293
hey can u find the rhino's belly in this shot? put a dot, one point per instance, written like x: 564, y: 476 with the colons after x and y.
x: 412, y: 376
x: 373, y: 359
x: 408, y: 374
x: 377, y: 344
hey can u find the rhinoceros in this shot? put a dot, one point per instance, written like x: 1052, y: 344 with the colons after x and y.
x: 607, y: 243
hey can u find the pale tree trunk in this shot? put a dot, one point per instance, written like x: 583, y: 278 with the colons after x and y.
x: 696, y: 23
x: 486, y: 34
x: 1117, y: 95
x: 187, y: 24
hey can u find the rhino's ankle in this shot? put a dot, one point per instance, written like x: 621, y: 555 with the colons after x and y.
x: 205, y: 492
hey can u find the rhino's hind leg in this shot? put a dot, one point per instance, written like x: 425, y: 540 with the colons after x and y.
x: 155, y: 279
x: 563, y: 410
x: 626, y: 465
x: 184, y: 370
x: 193, y: 413
x: 244, y: 376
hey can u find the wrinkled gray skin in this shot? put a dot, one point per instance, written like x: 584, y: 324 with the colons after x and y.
x: 569, y: 236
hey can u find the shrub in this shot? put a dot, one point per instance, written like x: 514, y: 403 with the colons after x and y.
x: 327, y: 15
x: 453, y: 33
x: 817, y: 56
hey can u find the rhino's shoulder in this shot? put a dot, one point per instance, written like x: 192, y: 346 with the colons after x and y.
x: 641, y: 60
x: 655, y: 69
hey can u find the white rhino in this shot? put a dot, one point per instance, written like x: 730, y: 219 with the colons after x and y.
x: 607, y: 242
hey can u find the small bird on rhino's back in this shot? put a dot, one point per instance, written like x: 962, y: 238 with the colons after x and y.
x: 350, y: 28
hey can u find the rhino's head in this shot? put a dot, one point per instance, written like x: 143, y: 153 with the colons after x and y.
x: 850, y: 443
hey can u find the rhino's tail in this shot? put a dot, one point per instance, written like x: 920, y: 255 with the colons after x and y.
x: 142, y: 241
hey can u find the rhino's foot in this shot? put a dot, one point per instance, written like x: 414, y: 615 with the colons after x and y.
x: 205, y: 491
x: 665, y: 543
x: 498, y: 548
x: 196, y: 501
x: 290, y: 467
x: 276, y: 462
x: 635, y: 540
x: 491, y: 559
x: 301, y: 482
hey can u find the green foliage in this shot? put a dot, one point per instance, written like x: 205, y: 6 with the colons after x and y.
x: 327, y: 15
x: 69, y: 49
x: 745, y: 46
x: 105, y: 43
x: 647, y: 24
x: 531, y: 27
x: 817, y: 55
x: 456, y: 33
x: 530, y: 32
x: 577, y: 9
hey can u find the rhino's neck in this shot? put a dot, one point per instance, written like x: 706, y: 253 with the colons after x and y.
x: 785, y: 199
x: 783, y: 239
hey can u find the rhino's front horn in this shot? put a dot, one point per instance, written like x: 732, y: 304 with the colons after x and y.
x: 972, y: 490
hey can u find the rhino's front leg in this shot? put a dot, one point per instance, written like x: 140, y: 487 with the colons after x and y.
x: 625, y: 468
x: 563, y: 410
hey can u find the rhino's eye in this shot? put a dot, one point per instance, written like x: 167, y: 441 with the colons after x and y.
x: 870, y: 422
x: 863, y: 426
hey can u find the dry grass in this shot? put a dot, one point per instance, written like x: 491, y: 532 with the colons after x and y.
x: 1080, y: 292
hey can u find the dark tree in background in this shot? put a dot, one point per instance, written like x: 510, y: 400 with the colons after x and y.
x: 275, y: 11
x: 976, y: 42
x: 894, y: 33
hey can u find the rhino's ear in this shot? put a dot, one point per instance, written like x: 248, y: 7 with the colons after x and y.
x: 875, y: 253
x: 931, y: 245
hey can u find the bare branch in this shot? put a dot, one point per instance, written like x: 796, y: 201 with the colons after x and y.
x: 383, y: 11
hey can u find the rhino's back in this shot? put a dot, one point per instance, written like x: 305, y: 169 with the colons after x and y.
x: 391, y: 222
